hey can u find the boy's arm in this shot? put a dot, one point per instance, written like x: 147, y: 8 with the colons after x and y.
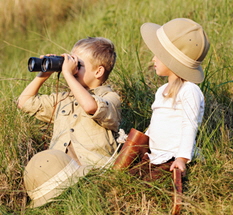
x: 108, y: 114
x: 33, y: 88
x: 83, y: 97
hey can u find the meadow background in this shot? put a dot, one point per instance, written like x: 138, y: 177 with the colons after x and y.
x: 31, y: 28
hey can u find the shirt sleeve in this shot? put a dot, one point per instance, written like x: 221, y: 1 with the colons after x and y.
x: 108, y: 114
x: 42, y: 106
x: 192, y: 101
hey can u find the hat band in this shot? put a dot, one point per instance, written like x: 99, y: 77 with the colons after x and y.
x: 174, y: 51
x: 55, y: 181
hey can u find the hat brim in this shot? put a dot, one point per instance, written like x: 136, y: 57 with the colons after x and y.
x: 49, y: 197
x: 148, y: 32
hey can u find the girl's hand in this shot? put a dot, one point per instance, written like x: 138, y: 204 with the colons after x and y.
x: 70, y: 64
x: 179, y: 163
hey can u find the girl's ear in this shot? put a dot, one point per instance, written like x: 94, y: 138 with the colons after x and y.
x: 99, y: 72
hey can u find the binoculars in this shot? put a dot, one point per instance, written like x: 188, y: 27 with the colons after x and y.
x: 46, y: 64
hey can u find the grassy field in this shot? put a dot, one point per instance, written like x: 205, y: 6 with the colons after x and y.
x: 31, y: 28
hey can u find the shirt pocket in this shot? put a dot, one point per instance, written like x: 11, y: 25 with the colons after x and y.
x: 63, y: 112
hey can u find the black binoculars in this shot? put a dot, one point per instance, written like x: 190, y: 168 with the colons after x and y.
x: 46, y: 64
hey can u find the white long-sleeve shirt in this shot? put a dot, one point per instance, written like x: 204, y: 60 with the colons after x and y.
x: 173, y: 127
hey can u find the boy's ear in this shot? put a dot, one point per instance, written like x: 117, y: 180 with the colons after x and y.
x: 99, y: 72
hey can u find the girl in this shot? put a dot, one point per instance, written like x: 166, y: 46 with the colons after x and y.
x: 179, y: 47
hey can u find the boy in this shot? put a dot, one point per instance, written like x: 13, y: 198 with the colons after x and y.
x: 86, y: 118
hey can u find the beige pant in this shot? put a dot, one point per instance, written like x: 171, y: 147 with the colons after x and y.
x: 70, y: 151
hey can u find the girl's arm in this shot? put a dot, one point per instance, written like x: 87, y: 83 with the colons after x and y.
x: 193, y: 105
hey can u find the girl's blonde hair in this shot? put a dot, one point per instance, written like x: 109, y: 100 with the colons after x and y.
x: 174, y: 89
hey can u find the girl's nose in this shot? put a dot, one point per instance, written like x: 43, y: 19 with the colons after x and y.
x: 154, y: 59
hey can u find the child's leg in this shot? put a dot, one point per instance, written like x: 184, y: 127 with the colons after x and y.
x: 157, y: 171
x: 141, y: 169
x: 150, y: 172
x: 70, y: 151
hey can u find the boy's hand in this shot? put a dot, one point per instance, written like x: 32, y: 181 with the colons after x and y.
x: 179, y: 163
x: 70, y: 64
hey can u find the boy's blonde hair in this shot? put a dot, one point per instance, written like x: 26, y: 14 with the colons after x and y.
x: 100, y: 51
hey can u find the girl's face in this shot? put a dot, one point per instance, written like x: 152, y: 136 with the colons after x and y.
x: 160, y: 68
x: 163, y: 70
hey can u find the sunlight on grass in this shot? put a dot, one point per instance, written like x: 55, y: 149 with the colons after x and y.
x: 33, y: 28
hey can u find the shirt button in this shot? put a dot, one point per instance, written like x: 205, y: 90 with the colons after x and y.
x: 75, y: 116
x: 71, y: 130
x: 65, y: 144
x: 76, y: 103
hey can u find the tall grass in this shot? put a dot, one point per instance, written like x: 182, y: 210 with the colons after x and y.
x: 30, y: 28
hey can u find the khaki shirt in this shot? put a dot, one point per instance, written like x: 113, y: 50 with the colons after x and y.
x: 91, y: 135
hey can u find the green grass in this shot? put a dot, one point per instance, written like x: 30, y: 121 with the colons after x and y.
x: 31, y: 28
